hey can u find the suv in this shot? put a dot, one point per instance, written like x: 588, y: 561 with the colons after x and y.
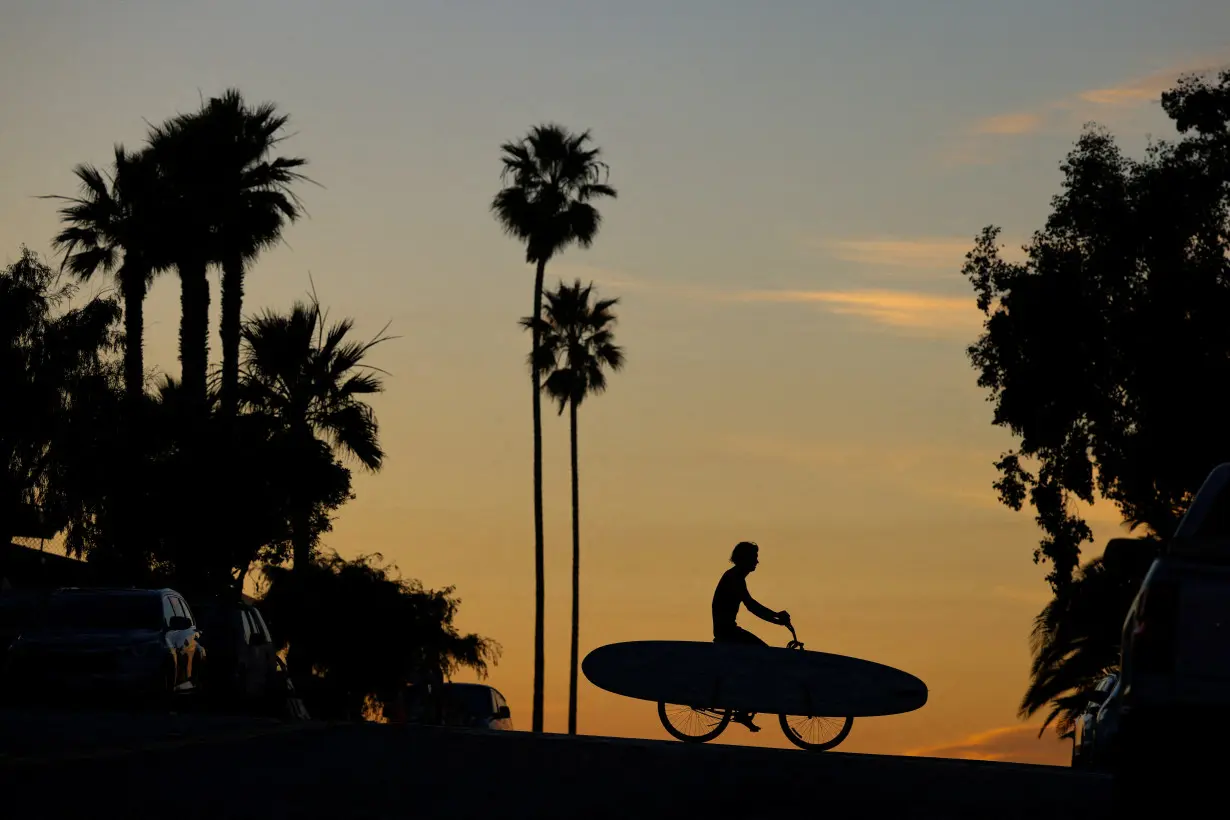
x: 135, y: 641
x: 243, y: 661
x: 1175, y: 661
x: 473, y: 705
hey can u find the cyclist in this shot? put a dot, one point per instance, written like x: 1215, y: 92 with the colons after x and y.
x: 730, y: 593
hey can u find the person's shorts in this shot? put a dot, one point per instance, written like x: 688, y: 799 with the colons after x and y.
x: 737, y: 634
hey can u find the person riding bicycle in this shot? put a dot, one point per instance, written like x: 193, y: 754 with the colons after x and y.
x: 730, y: 593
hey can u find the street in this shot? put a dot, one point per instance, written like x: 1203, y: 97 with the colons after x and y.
x: 197, y: 766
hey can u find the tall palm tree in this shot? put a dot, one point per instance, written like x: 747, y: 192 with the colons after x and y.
x: 112, y: 227
x: 576, y: 345
x: 184, y: 154
x: 253, y: 204
x: 550, y: 175
x: 310, y: 382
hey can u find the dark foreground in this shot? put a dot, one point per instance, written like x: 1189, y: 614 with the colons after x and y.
x: 198, y: 766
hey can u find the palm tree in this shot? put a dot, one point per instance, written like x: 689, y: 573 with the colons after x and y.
x: 184, y: 154
x: 1076, y: 638
x: 310, y: 382
x: 253, y: 204
x: 554, y: 175
x: 112, y: 228
x: 576, y: 344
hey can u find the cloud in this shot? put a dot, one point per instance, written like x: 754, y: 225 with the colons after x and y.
x: 1014, y: 744
x: 920, y: 313
x: 1142, y: 90
x: 917, y: 257
x: 1021, y: 122
x: 973, y: 145
x: 913, y: 312
x: 928, y: 253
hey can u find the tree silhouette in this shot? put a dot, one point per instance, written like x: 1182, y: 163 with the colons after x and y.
x: 1076, y: 638
x: 1104, y: 353
x: 311, y: 385
x: 576, y: 345
x: 552, y: 177
x: 184, y: 152
x: 346, y: 644
x: 113, y: 227
x: 50, y: 354
x: 252, y: 203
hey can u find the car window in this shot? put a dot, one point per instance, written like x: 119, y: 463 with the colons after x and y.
x: 247, y: 626
x: 176, y: 608
x: 102, y: 612
x: 187, y: 609
x: 167, y: 611
x: 499, y: 700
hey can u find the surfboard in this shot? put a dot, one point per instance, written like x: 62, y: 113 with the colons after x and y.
x: 764, y: 679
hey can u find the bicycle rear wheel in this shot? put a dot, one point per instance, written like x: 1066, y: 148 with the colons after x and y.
x: 815, y: 734
x: 692, y: 724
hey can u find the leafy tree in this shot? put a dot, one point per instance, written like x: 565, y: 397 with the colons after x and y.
x: 52, y: 358
x: 310, y: 384
x: 577, y: 344
x: 1104, y: 352
x: 347, y: 645
x: 552, y: 176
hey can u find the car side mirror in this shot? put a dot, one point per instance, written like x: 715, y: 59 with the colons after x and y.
x: 503, y: 713
x: 178, y: 622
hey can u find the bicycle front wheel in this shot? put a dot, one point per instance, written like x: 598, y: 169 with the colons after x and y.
x: 815, y: 734
x: 692, y: 724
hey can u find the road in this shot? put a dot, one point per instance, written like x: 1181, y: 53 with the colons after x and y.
x: 196, y: 766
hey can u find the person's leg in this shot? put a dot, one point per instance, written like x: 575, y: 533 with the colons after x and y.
x: 740, y: 635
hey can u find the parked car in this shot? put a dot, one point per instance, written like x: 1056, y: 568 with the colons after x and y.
x: 135, y: 641
x: 471, y: 705
x: 1175, y: 661
x: 1106, y: 730
x: 1086, y: 737
x: 243, y: 662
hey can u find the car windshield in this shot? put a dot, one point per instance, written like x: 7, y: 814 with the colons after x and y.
x: 104, y: 612
x: 473, y: 700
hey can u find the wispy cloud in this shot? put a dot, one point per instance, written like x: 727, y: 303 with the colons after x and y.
x: 975, y: 144
x: 928, y: 253
x: 940, y: 254
x: 913, y: 312
x: 1021, y: 122
x: 1015, y: 744
x: 919, y: 313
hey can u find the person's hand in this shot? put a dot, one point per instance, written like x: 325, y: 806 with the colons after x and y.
x: 783, y: 617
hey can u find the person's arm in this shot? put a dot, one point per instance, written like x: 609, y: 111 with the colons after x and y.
x: 758, y: 609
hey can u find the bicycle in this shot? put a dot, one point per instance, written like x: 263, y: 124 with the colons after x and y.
x: 811, y: 732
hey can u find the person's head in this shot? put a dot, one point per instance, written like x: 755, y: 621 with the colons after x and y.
x: 746, y: 555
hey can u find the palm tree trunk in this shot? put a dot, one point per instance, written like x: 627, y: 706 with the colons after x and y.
x: 232, y: 318
x: 130, y: 483
x: 576, y: 575
x: 539, y: 598
x: 194, y: 332
x: 132, y: 284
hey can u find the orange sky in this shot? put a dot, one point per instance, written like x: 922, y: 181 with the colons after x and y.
x: 798, y: 186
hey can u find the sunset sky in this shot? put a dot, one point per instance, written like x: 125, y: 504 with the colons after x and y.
x: 799, y: 182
